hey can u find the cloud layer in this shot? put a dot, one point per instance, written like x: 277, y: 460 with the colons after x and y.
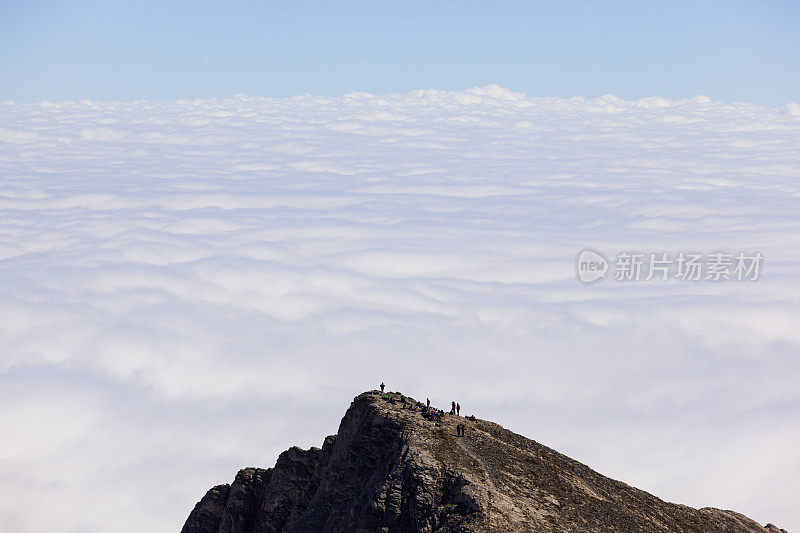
x: 191, y: 287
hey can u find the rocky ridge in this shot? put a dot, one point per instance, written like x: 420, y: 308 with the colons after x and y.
x: 389, y: 469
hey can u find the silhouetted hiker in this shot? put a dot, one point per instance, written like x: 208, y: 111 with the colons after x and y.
x: 458, y: 409
x: 453, y: 409
x: 382, y: 387
x: 428, y: 406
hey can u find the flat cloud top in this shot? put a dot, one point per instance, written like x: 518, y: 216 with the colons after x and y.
x: 191, y: 287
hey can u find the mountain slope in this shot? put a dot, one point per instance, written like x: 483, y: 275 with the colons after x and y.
x: 390, y: 469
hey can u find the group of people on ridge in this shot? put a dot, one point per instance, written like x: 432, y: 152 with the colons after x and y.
x: 428, y: 413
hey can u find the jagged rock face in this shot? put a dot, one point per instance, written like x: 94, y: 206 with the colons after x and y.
x: 390, y: 470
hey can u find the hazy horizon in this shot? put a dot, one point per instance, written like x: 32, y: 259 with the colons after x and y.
x: 52, y: 50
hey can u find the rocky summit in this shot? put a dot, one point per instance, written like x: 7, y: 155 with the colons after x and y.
x: 395, y: 466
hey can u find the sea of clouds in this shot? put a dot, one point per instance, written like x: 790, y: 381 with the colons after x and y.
x: 189, y: 288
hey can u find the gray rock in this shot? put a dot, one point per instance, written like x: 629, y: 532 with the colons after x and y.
x: 390, y: 470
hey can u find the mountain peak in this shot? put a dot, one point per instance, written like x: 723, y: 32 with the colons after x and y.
x: 396, y: 466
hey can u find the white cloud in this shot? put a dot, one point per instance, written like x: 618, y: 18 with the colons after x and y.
x: 792, y: 108
x: 191, y: 287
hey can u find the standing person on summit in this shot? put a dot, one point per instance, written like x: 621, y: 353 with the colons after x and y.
x: 458, y: 409
x: 453, y: 408
x: 382, y: 387
x: 428, y: 404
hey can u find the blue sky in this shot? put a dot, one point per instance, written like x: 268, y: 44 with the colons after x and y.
x: 730, y: 51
